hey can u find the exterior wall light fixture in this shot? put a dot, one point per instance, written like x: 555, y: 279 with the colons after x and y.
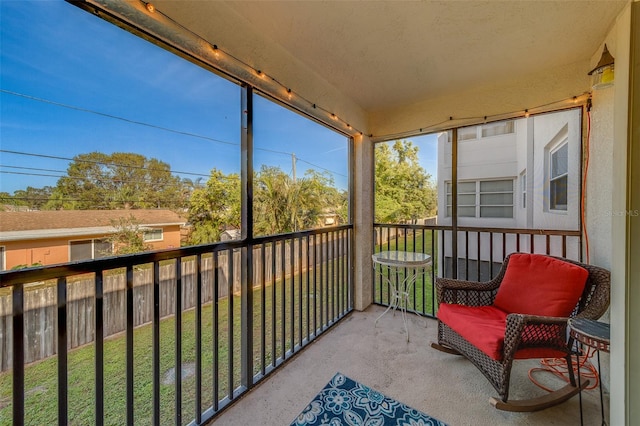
x: 602, y: 75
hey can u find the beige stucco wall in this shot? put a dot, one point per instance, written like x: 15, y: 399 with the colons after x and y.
x: 632, y: 332
x: 363, y: 169
x: 51, y: 251
x: 606, y: 202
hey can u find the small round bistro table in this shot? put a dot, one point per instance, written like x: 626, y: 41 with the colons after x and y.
x: 594, y: 334
x: 405, y: 264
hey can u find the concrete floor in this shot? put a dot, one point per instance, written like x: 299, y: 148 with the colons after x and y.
x: 446, y: 387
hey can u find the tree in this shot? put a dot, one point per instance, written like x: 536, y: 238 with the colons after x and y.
x: 128, y: 238
x: 119, y: 180
x: 284, y: 205
x: 214, y: 207
x: 33, y: 198
x: 280, y: 203
x: 404, y: 191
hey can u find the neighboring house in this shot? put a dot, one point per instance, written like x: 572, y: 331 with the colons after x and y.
x: 521, y: 173
x: 231, y: 234
x: 328, y: 217
x: 52, y: 237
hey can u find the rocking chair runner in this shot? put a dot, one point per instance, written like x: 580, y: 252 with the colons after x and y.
x: 522, y: 313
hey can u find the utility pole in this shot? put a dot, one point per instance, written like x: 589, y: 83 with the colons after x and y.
x: 293, y: 165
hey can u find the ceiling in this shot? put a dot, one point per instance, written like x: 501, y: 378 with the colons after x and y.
x: 383, y: 54
x: 390, y: 69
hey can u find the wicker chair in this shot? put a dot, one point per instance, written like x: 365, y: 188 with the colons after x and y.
x: 525, y: 336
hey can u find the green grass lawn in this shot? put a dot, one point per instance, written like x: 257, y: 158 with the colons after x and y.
x: 297, y: 313
x: 291, y: 312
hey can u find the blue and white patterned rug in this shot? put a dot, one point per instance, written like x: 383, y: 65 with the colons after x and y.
x: 346, y: 402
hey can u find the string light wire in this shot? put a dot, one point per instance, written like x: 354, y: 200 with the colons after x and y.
x: 290, y: 93
x: 475, y: 120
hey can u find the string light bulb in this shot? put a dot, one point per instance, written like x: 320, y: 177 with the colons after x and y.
x: 214, y: 52
x: 526, y: 113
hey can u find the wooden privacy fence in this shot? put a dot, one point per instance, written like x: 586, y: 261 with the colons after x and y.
x: 40, y: 301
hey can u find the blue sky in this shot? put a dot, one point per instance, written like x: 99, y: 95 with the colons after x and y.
x: 72, y: 83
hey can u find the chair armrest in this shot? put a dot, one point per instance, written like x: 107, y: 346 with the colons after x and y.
x: 532, y: 331
x: 469, y: 293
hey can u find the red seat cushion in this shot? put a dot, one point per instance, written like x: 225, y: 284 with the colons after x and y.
x: 536, y: 284
x: 482, y: 326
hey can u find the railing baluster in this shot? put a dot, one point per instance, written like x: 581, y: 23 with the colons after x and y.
x: 99, y: 347
x: 321, y: 267
x: 292, y: 285
x: 466, y: 251
x: 548, y: 244
x: 283, y: 305
x: 263, y: 310
x: 230, y: 320
x: 299, y: 274
x: 531, y: 243
x: 215, y: 312
x: 198, y: 319
x: 478, y: 236
x: 308, y: 286
x: 332, y: 276
x: 178, y: 347
x: 434, y: 260
x: 156, y: 343
x: 62, y: 352
x: 504, y: 244
x: 315, y: 285
x: 129, y: 348
x: 343, y: 256
x: 490, y: 255
x: 273, y: 304
x: 18, y: 353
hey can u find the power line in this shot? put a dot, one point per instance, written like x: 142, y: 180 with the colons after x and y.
x: 32, y: 168
x: 30, y: 174
x: 141, y: 123
x: 115, y: 117
x: 101, y: 163
x: 321, y: 168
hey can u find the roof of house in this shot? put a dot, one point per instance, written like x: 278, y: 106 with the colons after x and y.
x: 56, y: 223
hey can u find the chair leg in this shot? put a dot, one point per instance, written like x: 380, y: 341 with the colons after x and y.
x: 541, y: 402
x: 444, y: 349
x: 545, y: 401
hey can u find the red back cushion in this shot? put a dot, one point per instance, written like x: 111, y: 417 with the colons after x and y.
x: 535, y: 284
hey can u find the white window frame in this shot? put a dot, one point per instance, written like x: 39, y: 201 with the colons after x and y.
x: 506, y: 127
x: 3, y: 258
x: 477, y: 195
x: 551, y: 179
x: 472, y: 133
x: 93, y: 248
x: 523, y: 189
x: 150, y: 232
x: 465, y: 133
